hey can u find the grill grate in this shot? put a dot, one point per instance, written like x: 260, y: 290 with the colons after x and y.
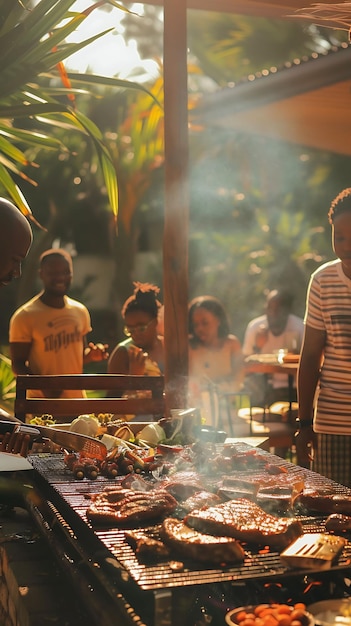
x: 71, y: 499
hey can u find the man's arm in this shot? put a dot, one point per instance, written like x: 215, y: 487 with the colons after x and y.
x: 309, y: 370
x: 19, y: 356
x: 308, y: 377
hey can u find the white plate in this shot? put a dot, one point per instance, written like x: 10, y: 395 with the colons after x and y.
x: 13, y: 462
x: 332, y: 612
x: 263, y: 358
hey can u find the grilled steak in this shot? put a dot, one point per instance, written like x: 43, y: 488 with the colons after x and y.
x: 295, y: 482
x: 182, y: 485
x: 132, y: 506
x: 147, y: 548
x: 324, y: 502
x: 200, y: 499
x: 198, y: 546
x: 246, y: 521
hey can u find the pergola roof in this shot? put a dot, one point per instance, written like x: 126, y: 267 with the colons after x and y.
x: 277, y: 9
x: 308, y: 103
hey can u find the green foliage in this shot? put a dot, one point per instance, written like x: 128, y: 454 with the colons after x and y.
x: 7, y: 383
x: 33, y: 44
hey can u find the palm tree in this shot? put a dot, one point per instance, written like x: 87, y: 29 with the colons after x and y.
x: 33, y: 43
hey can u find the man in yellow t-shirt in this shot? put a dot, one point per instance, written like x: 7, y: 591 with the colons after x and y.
x: 48, y: 333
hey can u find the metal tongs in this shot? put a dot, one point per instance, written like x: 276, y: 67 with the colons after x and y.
x: 89, y: 446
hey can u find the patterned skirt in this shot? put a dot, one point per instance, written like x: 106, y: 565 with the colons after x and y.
x: 332, y: 458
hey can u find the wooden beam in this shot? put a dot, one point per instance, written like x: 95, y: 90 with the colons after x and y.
x: 176, y: 222
x: 276, y: 9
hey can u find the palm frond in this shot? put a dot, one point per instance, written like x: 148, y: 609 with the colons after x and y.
x: 33, y: 44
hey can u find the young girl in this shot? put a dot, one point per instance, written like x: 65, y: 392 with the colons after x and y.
x: 215, y: 356
x: 142, y: 352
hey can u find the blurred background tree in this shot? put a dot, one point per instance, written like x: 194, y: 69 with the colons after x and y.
x: 258, y: 206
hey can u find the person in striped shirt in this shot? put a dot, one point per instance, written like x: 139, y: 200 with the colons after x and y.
x: 324, y: 378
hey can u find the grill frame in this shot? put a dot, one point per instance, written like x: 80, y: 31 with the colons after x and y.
x: 109, y: 559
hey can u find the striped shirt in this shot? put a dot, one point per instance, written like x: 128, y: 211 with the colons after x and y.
x: 329, y: 309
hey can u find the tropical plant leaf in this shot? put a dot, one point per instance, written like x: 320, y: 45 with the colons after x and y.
x: 33, y: 44
x: 31, y: 137
x: 14, y: 192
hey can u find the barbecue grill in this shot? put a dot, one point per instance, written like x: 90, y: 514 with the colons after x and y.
x: 118, y: 588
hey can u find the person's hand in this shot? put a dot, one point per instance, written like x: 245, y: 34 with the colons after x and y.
x: 137, y: 358
x: 96, y: 352
x: 15, y: 443
x: 306, y: 443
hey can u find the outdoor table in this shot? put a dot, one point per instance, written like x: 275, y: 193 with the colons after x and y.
x: 275, y: 364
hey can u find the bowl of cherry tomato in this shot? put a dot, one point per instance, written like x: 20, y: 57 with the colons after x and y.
x: 270, y: 615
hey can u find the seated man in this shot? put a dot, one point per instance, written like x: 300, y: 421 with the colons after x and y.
x: 277, y: 329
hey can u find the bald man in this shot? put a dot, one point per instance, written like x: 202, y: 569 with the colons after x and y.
x: 15, y: 241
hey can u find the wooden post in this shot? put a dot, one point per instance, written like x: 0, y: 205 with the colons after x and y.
x: 176, y: 222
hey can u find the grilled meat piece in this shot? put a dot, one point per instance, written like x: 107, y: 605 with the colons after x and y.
x: 295, y: 482
x: 182, y: 485
x: 246, y: 521
x: 338, y: 523
x: 200, y: 499
x: 275, y: 499
x: 324, y: 502
x: 198, y: 546
x: 146, y: 548
x: 133, y: 506
x: 232, y: 493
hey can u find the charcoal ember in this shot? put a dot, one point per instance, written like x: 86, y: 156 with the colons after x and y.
x: 246, y: 521
x: 193, y: 544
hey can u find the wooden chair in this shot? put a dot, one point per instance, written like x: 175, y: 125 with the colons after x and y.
x: 71, y: 407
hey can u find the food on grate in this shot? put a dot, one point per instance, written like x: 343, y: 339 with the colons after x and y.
x: 126, y: 506
x: 275, y: 499
x: 324, y: 502
x: 81, y: 467
x: 230, y: 459
x: 295, y: 482
x: 338, y: 523
x: 199, y: 500
x: 146, y: 548
x: 199, y: 546
x: 182, y: 485
x: 246, y: 521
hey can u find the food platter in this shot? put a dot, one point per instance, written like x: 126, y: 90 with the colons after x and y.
x: 279, y: 613
x: 332, y: 612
